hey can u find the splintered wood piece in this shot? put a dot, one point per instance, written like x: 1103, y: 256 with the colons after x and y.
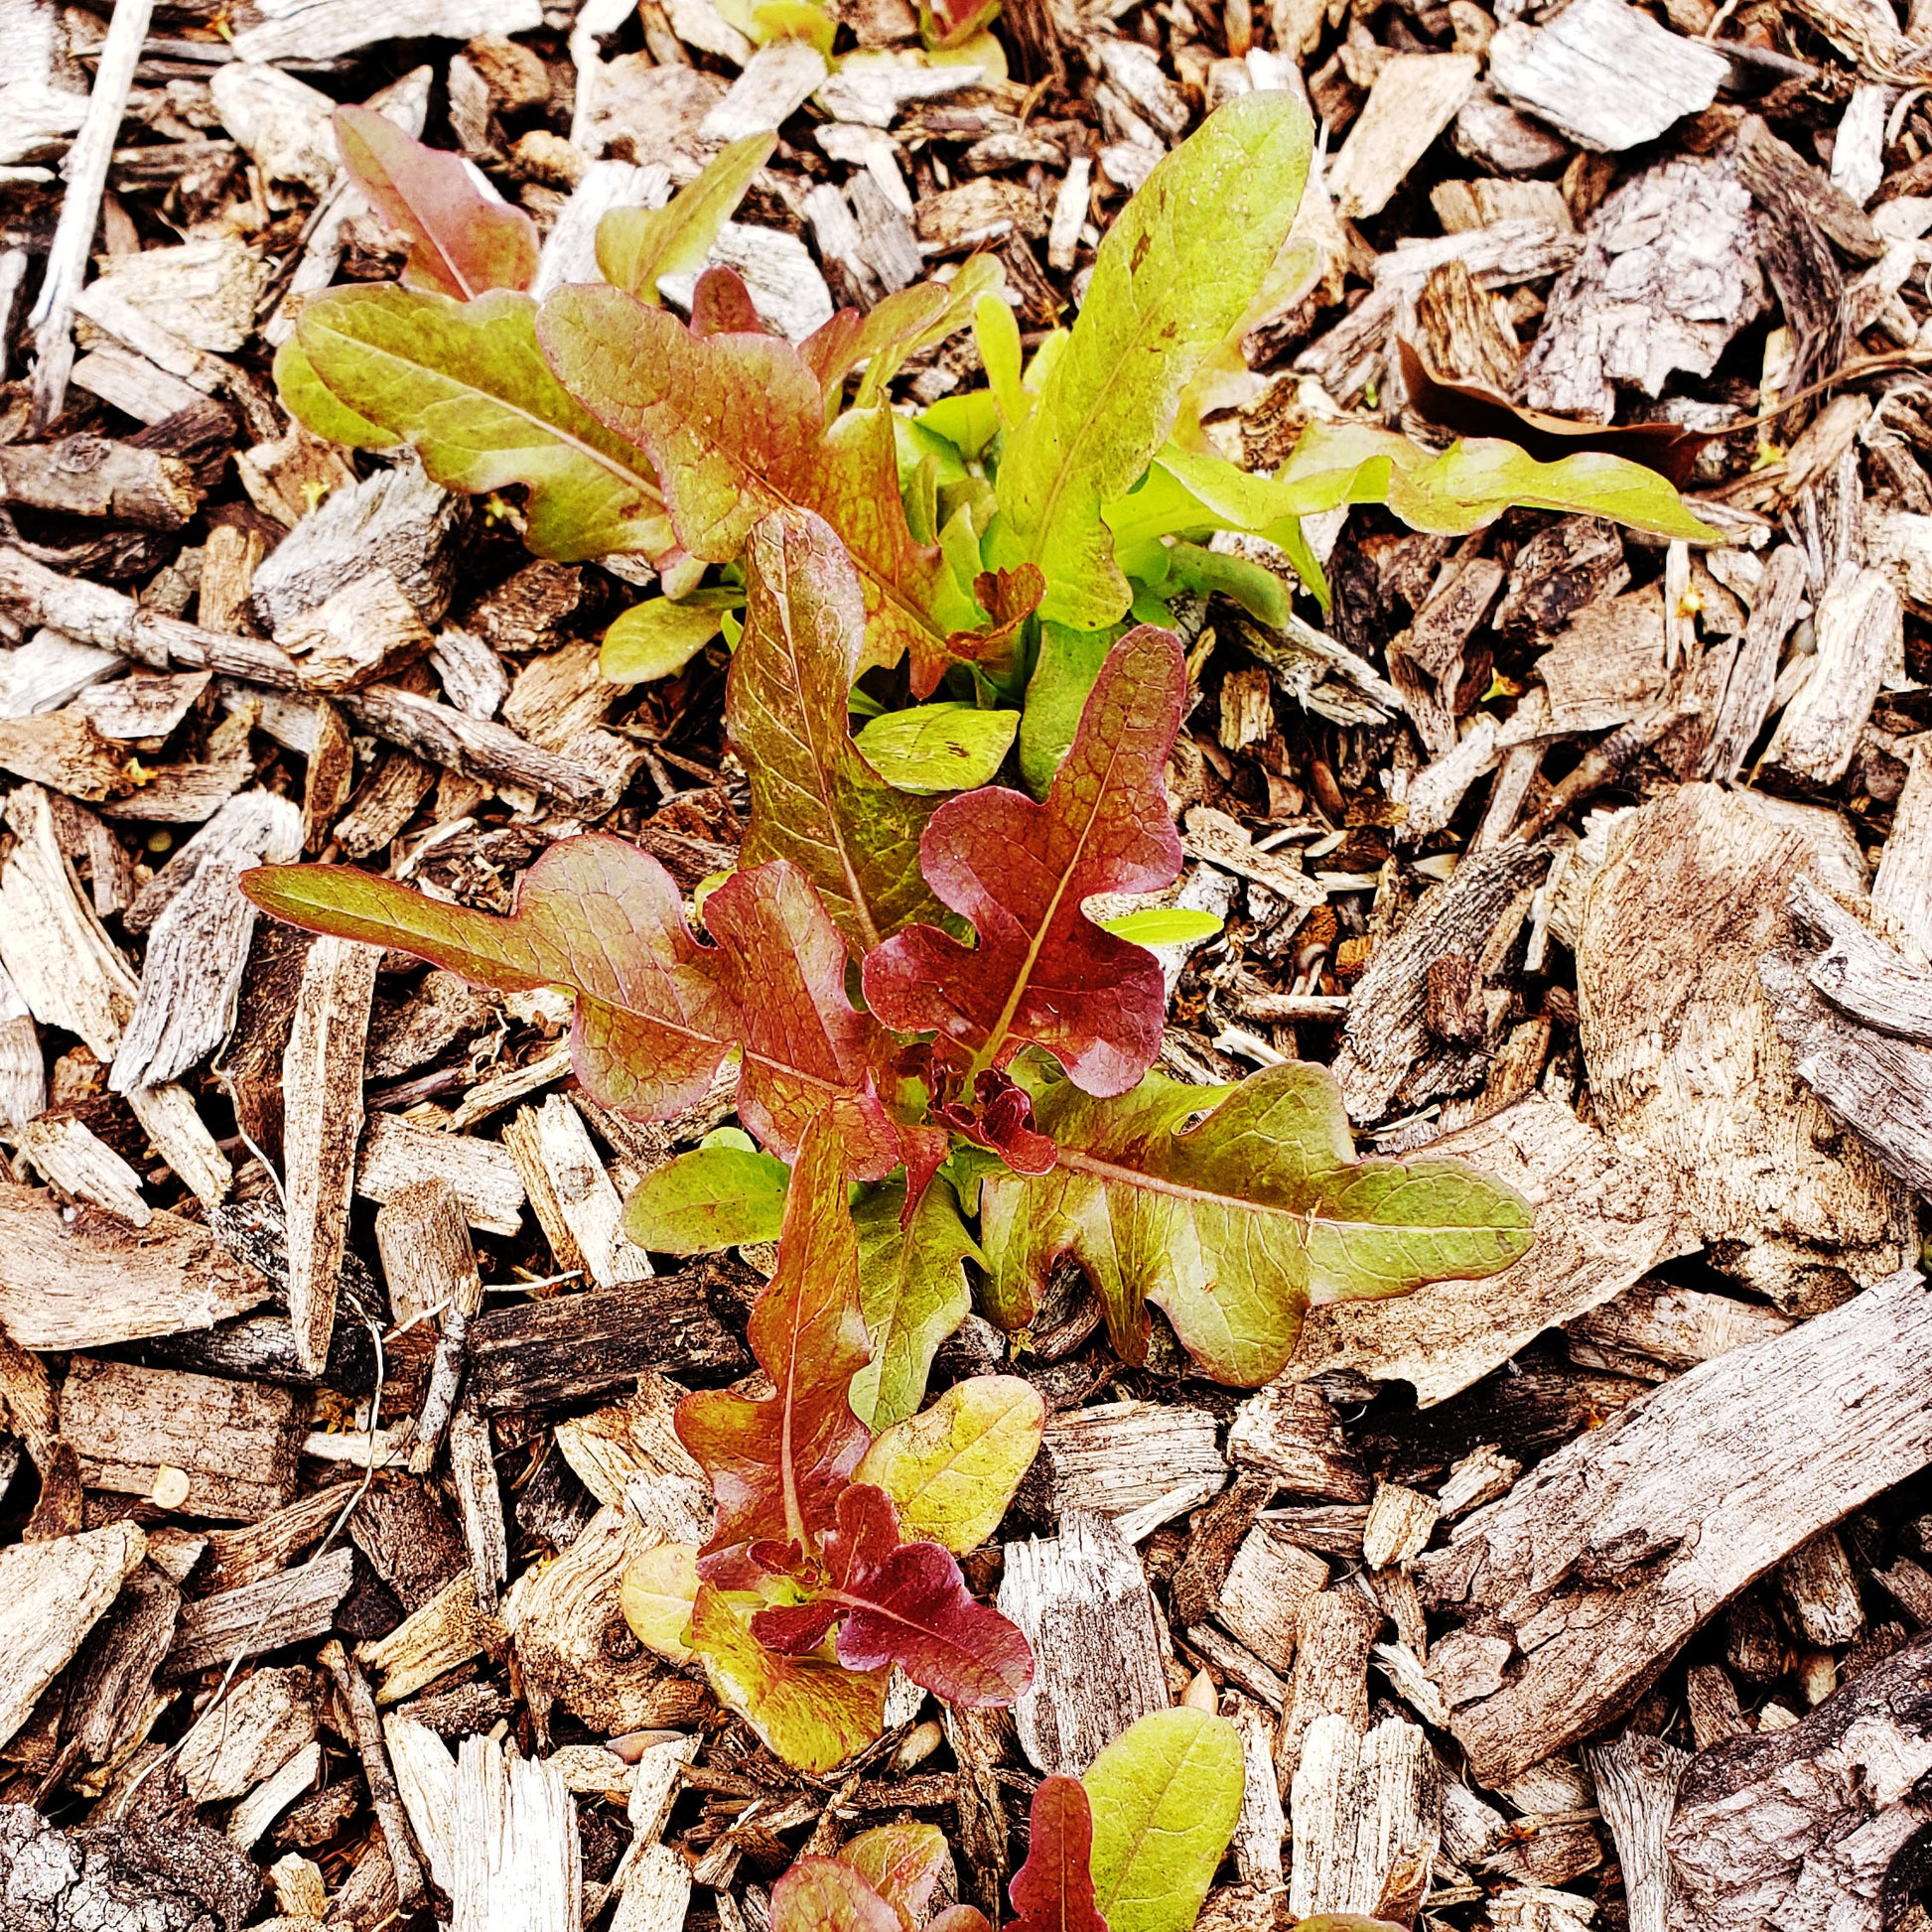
x: 1602, y: 1561
x: 977, y: 1737
x: 384, y: 803
x: 1294, y: 1432
x: 1606, y: 666
x: 1267, y: 1584
x: 1259, y: 1830
x: 588, y: 1202
x: 1821, y: 1592
x: 429, y: 1264
x: 446, y: 1631
x: 1082, y: 1602
x: 397, y: 1153
x: 1862, y: 976
x: 1400, y: 1523
x: 1754, y: 675
x: 1606, y: 74
x: 1604, y: 1221
x: 570, y: 1633
x: 63, y: 1151
x: 473, y: 1470
x: 89, y: 475
x: 354, y: 1692
x: 260, y: 1548
x: 518, y: 1862
x: 631, y: 1455
x: 1770, y: 1826
x: 264, y: 1721
x: 1367, y: 1819
x: 1116, y: 1457
x: 289, y: 1607
x: 1415, y: 96
x: 409, y: 1541
x: 549, y: 1353
x: 1334, y: 1630
x: 1684, y: 1060
x: 1654, y: 1327
x: 1902, y: 888
x: 1636, y: 1789
x: 355, y: 635
x: 330, y: 778
x: 425, y: 1773
x: 1387, y: 1038
x: 273, y: 1796
x: 199, y: 940
x: 1861, y: 633
x: 23, y: 1071
x: 51, y: 1594
x: 237, y: 1442
x: 113, y: 1673
x: 322, y: 1098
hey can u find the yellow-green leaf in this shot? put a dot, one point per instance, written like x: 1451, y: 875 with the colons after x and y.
x: 953, y: 1471
x: 637, y: 246
x: 1164, y: 926
x: 657, y: 638
x: 465, y: 383
x: 1233, y: 1226
x: 1178, y: 269
x: 811, y: 1710
x: 1165, y: 1794
x: 939, y: 747
x: 912, y: 1290
x: 315, y: 407
x: 712, y: 1198
x: 901, y: 1863
x: 656, y: 1596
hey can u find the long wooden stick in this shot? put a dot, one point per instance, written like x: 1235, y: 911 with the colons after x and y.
x: 87, y: 172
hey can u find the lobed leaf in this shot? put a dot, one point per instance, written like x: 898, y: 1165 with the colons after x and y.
x: 657, y: 638
x: 1053, y: 1891
x: 903, y: 1603
x: 656, y: 1594
x: 462, y: 241
x: 814, y: 799
x: 1165, y: 1794
x: 778, y: 1464
x: 637, y: 246
x: 952, y: 1471
x: 735, y: 425
x: 1471, y: 483
x: 1233, y: 1226
x: 914, y: 1292
x: 1176, y: 271
x: 657, y: 1012
x: 466, y: 385
x: 709, y: 1199
x: 314, y: 405
x: 830, y: 1895
x: 901, y: 1863
x: 936, y: 748
x: 810, y: 1710
x: 1042, y: 971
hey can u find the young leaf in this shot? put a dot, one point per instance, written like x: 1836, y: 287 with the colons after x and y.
x: 657, y: 1012
x: 464, y: 382
x: 1041, y: 970
x: 914, y: 1292
x: 314, y: 405
x: 1065, y: 671
x: 900, y: 326
x: 959, y: 1918
x: 901, y: 1863
x: 903, y: 1603
x: 711, y: 1198
x: 1472, y: 483
x: 1164, y: 926
x: 735, y: 424
x: 811, y: 1710
x: 830, y: 1895
x: 934, y: 748
x: 777, y: 1466
x: 1176, y: 270
x: 952, y: 1471
x: 1165, y: 1794
x: 462, y: 241
x: 657, y: 638
x: 721, y: 304
x: 635, y: 247
x: 814, y: 798
x: 1053, y: 1891
x: 1233, y: 1226
x: 656, y: 1594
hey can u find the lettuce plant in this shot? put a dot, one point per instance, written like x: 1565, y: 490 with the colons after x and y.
x: 927, y: 1027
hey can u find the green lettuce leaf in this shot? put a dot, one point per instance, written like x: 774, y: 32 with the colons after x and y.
x: 912, y: 1288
